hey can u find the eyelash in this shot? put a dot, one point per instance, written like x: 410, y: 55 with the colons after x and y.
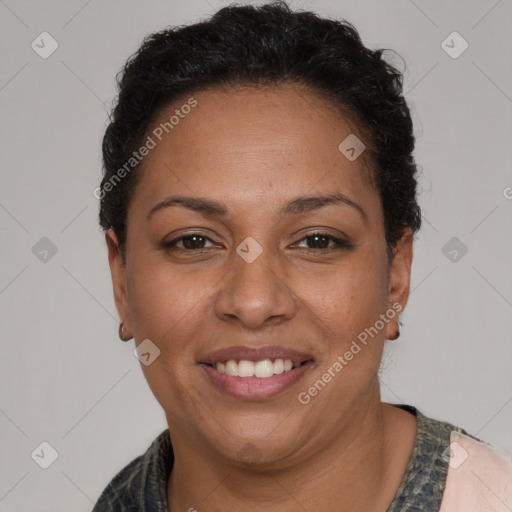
x: 340, y: 243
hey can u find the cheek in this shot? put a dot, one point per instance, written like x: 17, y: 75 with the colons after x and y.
x: 166, y: 309
x: 165, y: 306
x: 350, y: 298
x: 346, y: 310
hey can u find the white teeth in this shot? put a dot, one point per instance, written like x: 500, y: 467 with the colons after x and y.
x: 262, y: 369
x: 278, y: 366
x: 231, y: 368
x: 245, y: 368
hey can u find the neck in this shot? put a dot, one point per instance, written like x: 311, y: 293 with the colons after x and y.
x: 357, y: 469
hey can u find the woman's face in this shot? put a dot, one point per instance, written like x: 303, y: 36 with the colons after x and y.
x: 250, y: 281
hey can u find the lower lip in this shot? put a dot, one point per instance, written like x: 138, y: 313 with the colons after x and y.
x: 256, y: 388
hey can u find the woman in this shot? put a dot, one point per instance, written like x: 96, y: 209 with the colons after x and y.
x: 259, y: 204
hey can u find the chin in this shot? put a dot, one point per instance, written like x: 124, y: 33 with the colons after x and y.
x: 257, y: 446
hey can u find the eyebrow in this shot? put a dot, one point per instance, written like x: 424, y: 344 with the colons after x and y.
x: 301, y: 204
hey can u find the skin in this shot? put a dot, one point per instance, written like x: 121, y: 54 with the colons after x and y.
x: 254, y: 150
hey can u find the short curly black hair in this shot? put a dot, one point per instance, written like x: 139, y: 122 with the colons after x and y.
x: 265, y: 45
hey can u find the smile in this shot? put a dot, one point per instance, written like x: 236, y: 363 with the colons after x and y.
x: 254, y: 373
x: 261, y: 369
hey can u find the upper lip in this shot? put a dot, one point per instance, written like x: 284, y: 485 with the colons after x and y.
x: 255, y: 354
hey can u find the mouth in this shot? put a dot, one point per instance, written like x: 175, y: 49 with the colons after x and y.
x: 255, y: 374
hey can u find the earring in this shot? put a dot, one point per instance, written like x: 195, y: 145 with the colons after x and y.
x: 122, y: 337
x: 398, y: 330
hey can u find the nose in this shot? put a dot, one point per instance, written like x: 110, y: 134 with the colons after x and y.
x: 256, y: 294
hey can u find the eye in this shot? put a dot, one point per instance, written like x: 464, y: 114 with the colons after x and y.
x: 315, y: 241
x: 320, y: 240
x: 189, y: 242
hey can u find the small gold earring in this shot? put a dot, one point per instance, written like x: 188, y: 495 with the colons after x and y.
x: 398, y: 331
x: 122, y: 337
x: 399, y: 328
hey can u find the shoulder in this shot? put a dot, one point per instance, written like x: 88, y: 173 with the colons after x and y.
x: 423, y: 483
x: 143, y: 481
x: 479, y: 476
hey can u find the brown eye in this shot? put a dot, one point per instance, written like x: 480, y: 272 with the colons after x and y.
x: 190, y: 242
x: 322, y: 240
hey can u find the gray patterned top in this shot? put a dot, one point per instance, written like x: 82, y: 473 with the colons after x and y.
x: 141, y: 486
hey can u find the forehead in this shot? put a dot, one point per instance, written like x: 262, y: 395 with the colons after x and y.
x: 265, y: 144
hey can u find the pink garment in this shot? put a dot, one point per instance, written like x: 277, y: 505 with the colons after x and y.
x: 479, y: 477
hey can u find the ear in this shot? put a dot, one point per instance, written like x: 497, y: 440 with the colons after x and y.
x: 118, y: 274
x: 400, y: 276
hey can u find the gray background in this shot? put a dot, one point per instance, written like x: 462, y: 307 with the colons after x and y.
x: 68, y: 380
